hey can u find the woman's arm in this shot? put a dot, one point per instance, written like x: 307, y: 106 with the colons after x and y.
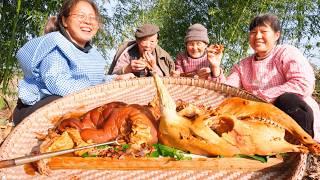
x: 179, y: 63
x: 123, y: 64
x: 57, y: 76
x: 234, y: 78
x: 298, y: 73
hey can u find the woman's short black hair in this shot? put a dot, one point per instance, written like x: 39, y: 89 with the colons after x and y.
x: 69, y: 4
x: 266, y: 19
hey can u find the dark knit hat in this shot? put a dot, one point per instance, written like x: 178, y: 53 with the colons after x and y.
x: 197, y: 32
x: 146, y: 30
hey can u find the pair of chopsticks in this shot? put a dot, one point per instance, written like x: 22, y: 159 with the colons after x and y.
x: 28, y: 159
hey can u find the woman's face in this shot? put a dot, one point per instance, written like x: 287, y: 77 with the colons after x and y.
x: 262, y: 39
x: 196, y: 49
x: 82, y: 23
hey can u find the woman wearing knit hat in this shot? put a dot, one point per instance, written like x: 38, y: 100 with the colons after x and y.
x: 196, y: 61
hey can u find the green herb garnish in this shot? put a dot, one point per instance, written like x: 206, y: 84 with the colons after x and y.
x: 103, y: 147
x: 125, y: 147
x: 166, y: 151
x: 262, y: 159
x: 84, y: 155
x: 154, y: 154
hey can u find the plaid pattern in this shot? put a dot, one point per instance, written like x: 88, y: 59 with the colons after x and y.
x: 53, y: 65
x: 284, y: 70
x: 186, y: 64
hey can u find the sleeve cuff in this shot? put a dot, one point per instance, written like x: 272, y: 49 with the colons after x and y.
x: 212, y: 75
x: 109, y: 78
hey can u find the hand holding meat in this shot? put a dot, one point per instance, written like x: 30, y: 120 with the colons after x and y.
x: 138, y: 65
x: 215, y: 53
x: 150, y: 59
x: 147, y: 61
x: 214, y: 57
x: 175, y: 73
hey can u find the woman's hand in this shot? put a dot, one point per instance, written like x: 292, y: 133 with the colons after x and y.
x: 204, y: 73
x: 175, y: 73
x: 215, y: 53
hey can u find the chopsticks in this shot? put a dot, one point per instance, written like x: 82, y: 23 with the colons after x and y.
x: 28, y: 159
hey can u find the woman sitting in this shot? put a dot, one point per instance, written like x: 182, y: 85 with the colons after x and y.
x: 61, y: 62
x: 279, y: 74
x: 196, y: 61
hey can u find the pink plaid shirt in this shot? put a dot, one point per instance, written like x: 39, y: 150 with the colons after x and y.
x: 186, y: 64
x: 284, y: 70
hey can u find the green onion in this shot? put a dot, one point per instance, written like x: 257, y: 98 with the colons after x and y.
x: 125, y: 147
x: 262, y: 159
x: 103, y: 147
x: 84, y: 155
x: 166, y: 151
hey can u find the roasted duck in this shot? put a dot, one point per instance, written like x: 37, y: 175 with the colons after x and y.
x: 237, y: 126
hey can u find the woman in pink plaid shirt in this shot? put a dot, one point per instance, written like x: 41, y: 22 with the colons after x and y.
x: 279, y: 74
x: 196, y: 61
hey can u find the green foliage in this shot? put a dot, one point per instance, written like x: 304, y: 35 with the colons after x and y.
x: 20, y: 20
x: 2, y: 103
x: 317, y: 86
x: 128, y: 15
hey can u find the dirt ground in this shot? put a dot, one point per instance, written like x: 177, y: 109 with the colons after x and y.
x: 312, y: 172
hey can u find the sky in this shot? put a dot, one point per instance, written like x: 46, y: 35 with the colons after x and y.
x: 316, y: 60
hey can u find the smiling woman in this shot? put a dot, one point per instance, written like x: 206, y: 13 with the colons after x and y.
x: 81, y: 21
x: 199, y: 57
x: 279, y: 74
x: 63, y: 61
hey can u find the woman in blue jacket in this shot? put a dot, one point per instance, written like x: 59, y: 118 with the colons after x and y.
x: 63, y: 61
